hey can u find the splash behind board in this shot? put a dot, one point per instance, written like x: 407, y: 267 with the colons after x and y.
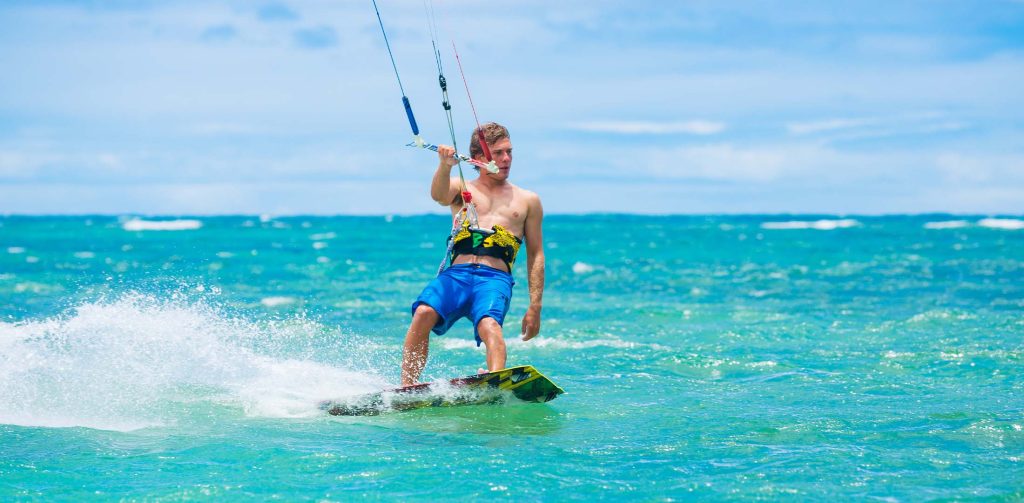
x: 524, y: 383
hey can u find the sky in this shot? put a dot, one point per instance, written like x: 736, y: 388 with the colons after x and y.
x: 188, y: 107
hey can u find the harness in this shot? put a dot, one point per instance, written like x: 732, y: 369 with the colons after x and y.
x: 496, y: 242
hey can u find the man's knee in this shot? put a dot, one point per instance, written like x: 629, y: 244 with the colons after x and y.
x: 424, y: 311
x: 488, y: 328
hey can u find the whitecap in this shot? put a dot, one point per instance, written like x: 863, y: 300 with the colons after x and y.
x: 948, y: 224
x: 278, y: 301
x: 890, y: 354
x: 553, y: 343
x: 137, y: 224
x: 582, y: 268
x: 821, y: 225
x: 1011, y: 224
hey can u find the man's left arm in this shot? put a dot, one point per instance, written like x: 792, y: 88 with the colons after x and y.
x: 534, y: 267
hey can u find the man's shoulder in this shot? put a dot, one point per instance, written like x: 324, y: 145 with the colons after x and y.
x: 529, y: 195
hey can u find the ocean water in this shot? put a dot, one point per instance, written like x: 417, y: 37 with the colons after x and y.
x: 710, y: 357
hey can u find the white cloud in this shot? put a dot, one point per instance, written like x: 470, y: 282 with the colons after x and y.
x: 695, y: 127
x: 810, y: 164
x: 899, y: 46
x: 877, y: 127
x: 212, y: 198
x: 997, y: 170
x: 15, y: 165
x: 722, y: 162
x: 221, y: 129
x: 826, y: 125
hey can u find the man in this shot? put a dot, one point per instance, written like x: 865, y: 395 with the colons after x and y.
x: 478, y: 284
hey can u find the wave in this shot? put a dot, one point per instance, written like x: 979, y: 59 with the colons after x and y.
x: 1012, y: 224
x: 137, y: 224
x: 947, y: 224
x: 821, y: 225
x: 278, y: 301
x: 141, y: 362
x: 582, y: 268
x: 553, y: 343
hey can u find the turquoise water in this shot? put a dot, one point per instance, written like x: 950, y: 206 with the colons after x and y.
x: 746, y: 357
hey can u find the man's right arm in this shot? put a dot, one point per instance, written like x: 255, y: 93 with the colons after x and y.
x: 442, y: 189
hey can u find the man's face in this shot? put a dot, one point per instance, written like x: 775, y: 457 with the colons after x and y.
x: 501, y: 152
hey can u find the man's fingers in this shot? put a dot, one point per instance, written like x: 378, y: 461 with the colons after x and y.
x: 529, y: 331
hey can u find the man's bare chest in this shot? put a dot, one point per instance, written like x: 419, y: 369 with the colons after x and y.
x: 501, y: 208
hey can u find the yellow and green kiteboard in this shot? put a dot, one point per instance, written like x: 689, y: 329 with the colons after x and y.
x: 524, y: 383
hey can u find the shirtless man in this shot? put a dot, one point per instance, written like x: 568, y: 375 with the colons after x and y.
x: 478, y: 284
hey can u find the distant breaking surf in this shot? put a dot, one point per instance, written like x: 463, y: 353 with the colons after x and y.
x: 821, y: 225
x: 1011, y: 224
x: 947, y: 224
x: 137, y: 224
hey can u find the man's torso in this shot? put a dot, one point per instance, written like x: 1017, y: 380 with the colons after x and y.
x: 505, y: 206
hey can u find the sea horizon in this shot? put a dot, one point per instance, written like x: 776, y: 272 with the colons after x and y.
x: 546, y: 215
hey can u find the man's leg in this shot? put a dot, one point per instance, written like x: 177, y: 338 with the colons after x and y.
x: 490, y: 332
x: 417, y: 344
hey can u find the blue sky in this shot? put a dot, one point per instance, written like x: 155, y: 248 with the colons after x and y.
x: 220, y: 107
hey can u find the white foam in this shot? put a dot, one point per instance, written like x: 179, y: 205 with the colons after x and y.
x: 552, y: 343
x: 582, y: 268
x: 15, y: 250
x: 821, y: 225
x: 948, y: 224
x: 1011, y: 224
x: 293, y: 388
x: 139, y: 361
x: 890, y: 354
x: 278, y: 301
x: 137, y: 224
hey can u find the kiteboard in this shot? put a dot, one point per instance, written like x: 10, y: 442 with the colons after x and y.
x: 524, y: 383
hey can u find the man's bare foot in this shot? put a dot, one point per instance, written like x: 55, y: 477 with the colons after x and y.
x: 481, y: 371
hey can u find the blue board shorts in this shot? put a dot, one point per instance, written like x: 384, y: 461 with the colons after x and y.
x: 472, y: 291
